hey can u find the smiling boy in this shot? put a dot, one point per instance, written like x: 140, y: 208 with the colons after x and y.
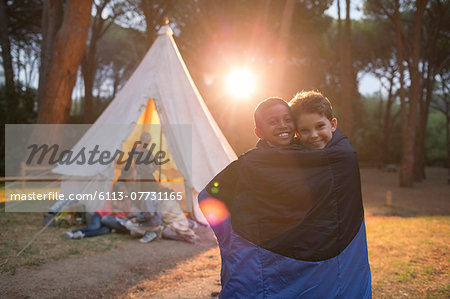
x: 294, y: 224
x: 314, y: 119
x: 274, y: 123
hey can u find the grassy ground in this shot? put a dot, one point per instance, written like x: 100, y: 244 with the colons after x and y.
x: 409, y: 257
x: 408, y: 242
x: 17, y: 229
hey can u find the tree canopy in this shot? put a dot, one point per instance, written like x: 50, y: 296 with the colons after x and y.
x: 48, y: 47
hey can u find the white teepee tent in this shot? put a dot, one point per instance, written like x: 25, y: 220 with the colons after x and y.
x: 160, y: 82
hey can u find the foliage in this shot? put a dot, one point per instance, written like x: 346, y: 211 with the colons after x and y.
x: 23, y: 35
x: 24, y: 20
x: 220, y: 33
x: 214, y: 35
x: 368, y: 138
x: 26, y: 105
x: 25, y: 113
x: 120, y: 50
x: 435, y: 146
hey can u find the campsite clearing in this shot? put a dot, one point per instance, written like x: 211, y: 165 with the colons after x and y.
x: 408, y: 252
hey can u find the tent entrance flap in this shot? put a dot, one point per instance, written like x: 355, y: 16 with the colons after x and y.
x: 157, y: 174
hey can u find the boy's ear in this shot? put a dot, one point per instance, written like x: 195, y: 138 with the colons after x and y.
x: 333, y: 124
x: 257, y: 133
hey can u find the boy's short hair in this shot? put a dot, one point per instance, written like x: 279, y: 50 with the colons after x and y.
x: 264, y: 105
x: 311, y: 102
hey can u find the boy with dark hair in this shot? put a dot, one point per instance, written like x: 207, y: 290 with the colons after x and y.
x: 273, y: 122
x: 295, y: 225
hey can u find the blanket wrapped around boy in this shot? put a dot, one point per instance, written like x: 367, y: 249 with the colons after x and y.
x: 295, y: 226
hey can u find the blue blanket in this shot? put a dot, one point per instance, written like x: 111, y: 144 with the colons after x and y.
x: 295, y: 226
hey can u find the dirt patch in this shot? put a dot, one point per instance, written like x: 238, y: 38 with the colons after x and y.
x: 408, y: 252
x: 196, y: 278
x: 429, y: 197
x: 116, y: 272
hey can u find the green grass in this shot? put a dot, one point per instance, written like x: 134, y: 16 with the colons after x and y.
x: 33, y: 262
x: 17, y: 229
x: 409, y: 256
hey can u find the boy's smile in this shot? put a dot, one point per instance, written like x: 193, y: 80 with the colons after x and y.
x: 276, y: 125
x: 315, y: 130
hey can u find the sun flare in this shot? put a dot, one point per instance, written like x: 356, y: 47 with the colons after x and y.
x: 241, y: 83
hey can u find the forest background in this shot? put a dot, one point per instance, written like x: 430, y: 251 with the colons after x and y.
x: 64, y: 61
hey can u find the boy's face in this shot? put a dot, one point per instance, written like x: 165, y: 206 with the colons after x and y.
x: 276, y: 125
x: 315, y: 130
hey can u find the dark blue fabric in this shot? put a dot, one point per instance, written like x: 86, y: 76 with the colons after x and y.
x: 304, y: 204
x: 296, y: 223
x: 250, y: 271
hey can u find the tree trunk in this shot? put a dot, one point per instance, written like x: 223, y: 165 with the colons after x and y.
x: 52, y: 16
x: 10, y: 99
x: 88, y: 72
x: 386, y: 147
x: 437, y: 14
x: 88, y: 69
x: 339, y: 48
x: 89, y: 63
x: 380, y: 126
x: 401, y: 91
x: 419, y: 167
x: 446, y: 110
x: 116, y: 82
x: 409, y: 116
x: 283, y: 45
x: 152, y: 16
x: 6, y: 49
x: 149, y: 17
x: 68, y: 49
x: 447, y: 131
x: 347, y: 93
